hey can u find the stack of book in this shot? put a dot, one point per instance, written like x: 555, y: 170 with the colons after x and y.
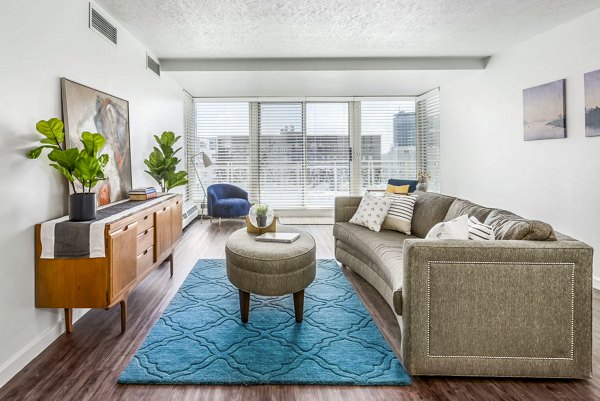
x: 140, y: 194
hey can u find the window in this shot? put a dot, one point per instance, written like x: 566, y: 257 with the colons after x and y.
x: 388, y: 141
x: 428, y: 132
x: 223, y: 132
x: 298, y: 154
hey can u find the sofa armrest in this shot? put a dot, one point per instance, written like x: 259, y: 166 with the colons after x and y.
x: 497, y: 308
x: 345, y: 207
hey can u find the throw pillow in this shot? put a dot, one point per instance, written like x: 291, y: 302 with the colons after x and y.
x: 480, y: 231
x: 509, y: 226
x: 457, y: 228
x: 400, y: 214
x: 397, y: 189
x: 371, y: 212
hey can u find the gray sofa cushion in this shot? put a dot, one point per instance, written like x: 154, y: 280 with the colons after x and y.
x: 430, y: 209
x: 461, y: 207
x: 382, y: 251
x: 509, y: 226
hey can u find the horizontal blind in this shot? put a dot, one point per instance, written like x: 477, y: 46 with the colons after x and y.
x: 281, y: 154
x: 223, y: 132
x: 388, y: 142
x: 428, y: 128
x: 327, y: 153
x: 189, y: 125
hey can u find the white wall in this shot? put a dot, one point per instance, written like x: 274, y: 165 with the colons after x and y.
x: 484, y: 157
x: 40, y: 42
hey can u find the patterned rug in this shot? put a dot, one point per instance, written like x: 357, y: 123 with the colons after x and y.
x: 200, y: 339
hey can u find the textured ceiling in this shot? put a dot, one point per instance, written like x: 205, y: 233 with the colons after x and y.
x: 338, y: 28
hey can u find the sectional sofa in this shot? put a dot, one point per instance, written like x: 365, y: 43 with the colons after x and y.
x: 516, y: 306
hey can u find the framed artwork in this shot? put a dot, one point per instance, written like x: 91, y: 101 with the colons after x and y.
x: 592, y: 103
x: 88, y: 109
x: 544, y: 111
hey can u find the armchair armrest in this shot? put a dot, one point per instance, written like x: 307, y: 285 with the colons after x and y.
x: 497, y: 308
x: 345, y: 207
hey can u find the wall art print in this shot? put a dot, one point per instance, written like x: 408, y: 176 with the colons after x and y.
x: 87, y: 109
x: 592, y: 103
x: 544, y: 111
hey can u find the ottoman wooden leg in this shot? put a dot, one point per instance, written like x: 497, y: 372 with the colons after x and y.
x: 244, y: 305
x: 299, y: 305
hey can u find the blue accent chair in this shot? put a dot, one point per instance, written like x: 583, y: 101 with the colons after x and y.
x: 226, y: 200
x: 412, y: 183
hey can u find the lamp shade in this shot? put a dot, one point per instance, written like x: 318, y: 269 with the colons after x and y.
x: 206, y: 160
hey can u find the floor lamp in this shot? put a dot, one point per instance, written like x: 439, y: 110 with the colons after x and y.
x: 206, y: 162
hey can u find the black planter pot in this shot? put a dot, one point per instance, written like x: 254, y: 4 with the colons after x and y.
x: 82, y: 207
x: 261, y: 221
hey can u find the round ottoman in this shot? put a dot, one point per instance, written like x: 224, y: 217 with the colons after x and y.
x: 269, y: 268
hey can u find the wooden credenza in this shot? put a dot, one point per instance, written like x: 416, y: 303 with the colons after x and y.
x: 135, y: 245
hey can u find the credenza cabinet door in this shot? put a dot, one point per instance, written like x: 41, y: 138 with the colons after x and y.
x: 162, y: 232
x: 123, y: 258
x: 176, y: 220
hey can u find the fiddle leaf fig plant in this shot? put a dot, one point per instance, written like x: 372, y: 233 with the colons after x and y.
x: 162, y: 162
x: 85, y: 166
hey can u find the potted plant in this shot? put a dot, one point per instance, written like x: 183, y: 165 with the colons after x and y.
x: 261, y: 215
x: 85, y: 166
x: 162, y: 163
x: 423, y: 177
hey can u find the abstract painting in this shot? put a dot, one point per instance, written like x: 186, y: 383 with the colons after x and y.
x: 592, y: 103
x: 544, y: 110
x: 87, y: 109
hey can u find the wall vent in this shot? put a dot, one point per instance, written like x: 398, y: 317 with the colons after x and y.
x: 101, y: 25
x: 153, y: 65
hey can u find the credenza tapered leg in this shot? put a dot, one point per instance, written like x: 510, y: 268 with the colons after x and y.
x: 171, y: 264
x: 123, y: 304
x: 69, y: 320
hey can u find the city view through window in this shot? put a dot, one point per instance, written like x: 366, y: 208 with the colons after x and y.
x: 299, y: 154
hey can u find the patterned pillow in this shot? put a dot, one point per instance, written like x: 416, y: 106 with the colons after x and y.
x: 399, y: 216
x: 371, y: 212
x: 457, y: 228
x: 480, y: 231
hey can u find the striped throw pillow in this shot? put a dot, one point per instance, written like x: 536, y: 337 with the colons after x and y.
x: 399, y: 216
x: 479, y: 231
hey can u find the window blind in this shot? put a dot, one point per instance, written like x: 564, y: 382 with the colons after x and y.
x: 223, y: 132
x: 428, y: 132
x: 327, y: 153
x: 189, y: 125
x: 388, y: 141
x: 281, y: 154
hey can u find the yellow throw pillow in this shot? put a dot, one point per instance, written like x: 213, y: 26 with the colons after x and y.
x: 397, y: 189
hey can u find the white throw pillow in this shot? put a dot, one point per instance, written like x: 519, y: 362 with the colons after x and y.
x: 453, y: 229
x: 399, y: 216
x: 479, y: 231
x: 371, y: 212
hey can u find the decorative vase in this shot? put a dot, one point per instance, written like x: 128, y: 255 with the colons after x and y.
x: 261, y: 221
x: 82, y: 206
x: 422, y: 186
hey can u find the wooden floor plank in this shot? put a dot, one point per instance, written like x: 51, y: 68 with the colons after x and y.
x: 85, y: 365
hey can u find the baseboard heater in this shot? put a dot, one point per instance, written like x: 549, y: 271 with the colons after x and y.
x: 190, y: 212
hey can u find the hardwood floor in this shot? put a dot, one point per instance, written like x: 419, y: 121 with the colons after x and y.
x: 85, y: 364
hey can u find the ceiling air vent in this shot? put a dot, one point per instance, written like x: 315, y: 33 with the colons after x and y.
x: 101, y: 25
x: 153, y: 65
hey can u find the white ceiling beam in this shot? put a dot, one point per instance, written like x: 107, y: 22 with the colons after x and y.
x: 326, y: 64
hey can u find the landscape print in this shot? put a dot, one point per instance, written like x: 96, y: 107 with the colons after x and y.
x: 592, y: 103
x: 544, y: 111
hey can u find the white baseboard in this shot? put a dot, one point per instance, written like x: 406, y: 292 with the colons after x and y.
x: 15, y: 364
x: 596, y: 282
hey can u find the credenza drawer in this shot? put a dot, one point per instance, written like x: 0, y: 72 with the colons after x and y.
x: 145, y: 240
x: 145, y: 260
x: 145, y: 223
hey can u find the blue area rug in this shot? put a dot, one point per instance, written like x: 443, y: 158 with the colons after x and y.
x: 200, y: 338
